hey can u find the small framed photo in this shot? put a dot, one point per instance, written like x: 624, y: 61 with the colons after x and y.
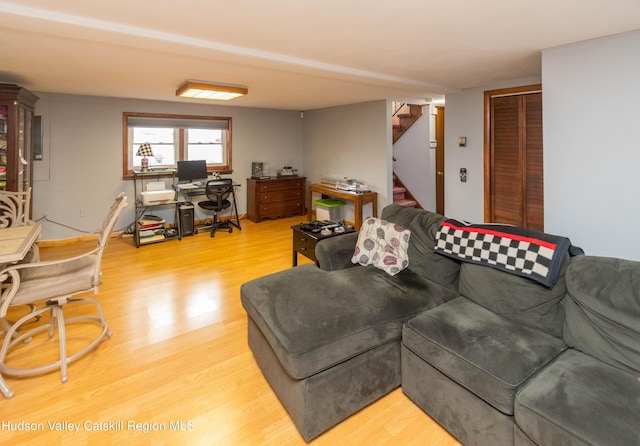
x: 257, y: 170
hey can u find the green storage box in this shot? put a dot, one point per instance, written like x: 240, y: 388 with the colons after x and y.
x: 329, y: 209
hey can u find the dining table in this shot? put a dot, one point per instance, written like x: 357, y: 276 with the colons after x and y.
x: 16, y: 241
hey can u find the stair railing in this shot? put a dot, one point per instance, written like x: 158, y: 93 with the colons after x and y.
x: 397, y: 106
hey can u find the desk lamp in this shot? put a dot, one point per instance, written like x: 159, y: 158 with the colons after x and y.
x: 144, y: 151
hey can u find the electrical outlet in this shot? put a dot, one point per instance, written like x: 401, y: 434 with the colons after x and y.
x: 83, y: 212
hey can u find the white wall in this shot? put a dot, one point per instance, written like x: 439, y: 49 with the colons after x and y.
x: 413, y: 163
x: 464, y: 116
x: 82, y: 166
x: 350, y: 141
x: 591, y: 115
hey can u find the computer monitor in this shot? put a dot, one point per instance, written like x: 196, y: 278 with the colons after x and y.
x: 189, y: 171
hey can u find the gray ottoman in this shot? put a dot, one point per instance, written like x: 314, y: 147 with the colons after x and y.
x: 328, y: 342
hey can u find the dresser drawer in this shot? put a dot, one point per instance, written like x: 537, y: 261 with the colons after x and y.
x: 275, y: 185
x: 281, y: 209
x: 280, y: 195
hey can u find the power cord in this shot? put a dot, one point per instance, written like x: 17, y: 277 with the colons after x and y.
x: 46, y: 218
x: 82, y: 231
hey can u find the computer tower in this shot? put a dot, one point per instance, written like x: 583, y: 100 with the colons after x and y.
x: 186, y: 217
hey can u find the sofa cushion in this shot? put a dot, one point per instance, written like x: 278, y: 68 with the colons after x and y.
x: 314, y: 319
x: 487, y: 354
x: 517, y: 298
x: 579, y: 400
x: 603, y: 310
x: 422, y: 259
x: 383, y: 245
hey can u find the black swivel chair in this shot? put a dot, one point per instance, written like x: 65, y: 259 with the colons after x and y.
x: 218, y: 192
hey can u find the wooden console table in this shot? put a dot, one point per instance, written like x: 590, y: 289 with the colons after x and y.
x: 359, y: 199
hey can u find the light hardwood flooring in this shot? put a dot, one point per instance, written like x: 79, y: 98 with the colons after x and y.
x: 178, y: 357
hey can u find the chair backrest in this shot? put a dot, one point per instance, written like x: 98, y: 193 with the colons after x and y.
x: 218, y: 191
x: 50, y: 270
x: 14, y: 208
x: 107, y: 226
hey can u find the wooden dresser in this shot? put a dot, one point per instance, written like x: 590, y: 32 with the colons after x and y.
x: 275, y: 197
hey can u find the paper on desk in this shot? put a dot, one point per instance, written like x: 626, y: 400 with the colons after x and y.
x: 155, y: 185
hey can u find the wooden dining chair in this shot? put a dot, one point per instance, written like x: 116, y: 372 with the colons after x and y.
x: 51, y: 285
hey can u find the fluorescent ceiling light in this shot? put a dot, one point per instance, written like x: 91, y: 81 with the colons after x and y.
x: 210, y: 90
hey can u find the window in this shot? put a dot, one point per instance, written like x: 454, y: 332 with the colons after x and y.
x: 176, y: 138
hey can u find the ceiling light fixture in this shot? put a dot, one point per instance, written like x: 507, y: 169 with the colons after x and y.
x: 210, y: 90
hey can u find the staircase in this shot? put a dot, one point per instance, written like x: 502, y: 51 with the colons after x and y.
x: 402, y: 196
x: 403, y: 117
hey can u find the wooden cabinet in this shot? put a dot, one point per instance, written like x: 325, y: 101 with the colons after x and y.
x: 275, y: 198
x: 305, y: 240
x: 16, y: 137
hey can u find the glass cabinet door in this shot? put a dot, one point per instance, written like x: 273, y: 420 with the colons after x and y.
x: 25, y: 148
x: 4, y: 112
x: 16, y: 137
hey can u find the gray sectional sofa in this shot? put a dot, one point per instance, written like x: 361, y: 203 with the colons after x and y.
x: 494, y: 356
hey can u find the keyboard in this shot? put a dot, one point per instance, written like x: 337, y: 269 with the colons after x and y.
x: 189, y: 186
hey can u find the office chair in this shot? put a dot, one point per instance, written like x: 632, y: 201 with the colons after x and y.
x: 218, y: 192
x: 52, y: 285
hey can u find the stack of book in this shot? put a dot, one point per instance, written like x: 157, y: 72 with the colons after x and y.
x: 150, y: 229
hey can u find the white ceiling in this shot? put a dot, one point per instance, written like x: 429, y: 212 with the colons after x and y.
x: 291, y: 54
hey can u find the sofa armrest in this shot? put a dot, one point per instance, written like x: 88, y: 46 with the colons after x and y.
x: 335, y: 253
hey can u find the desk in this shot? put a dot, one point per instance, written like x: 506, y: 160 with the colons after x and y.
x: 16, y: 241
x: 188, y: 192
x: 359, y: 200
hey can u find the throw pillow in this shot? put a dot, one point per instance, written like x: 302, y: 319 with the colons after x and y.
x: 382, y: 244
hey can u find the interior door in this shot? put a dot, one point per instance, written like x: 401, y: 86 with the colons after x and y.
x: 514, y: 188
x: 440, y: 160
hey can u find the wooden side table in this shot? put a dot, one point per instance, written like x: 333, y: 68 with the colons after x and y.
x: 359, y: 199
x: 305, y: 241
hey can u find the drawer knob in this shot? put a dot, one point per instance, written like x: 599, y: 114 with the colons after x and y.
x: 303, y: 239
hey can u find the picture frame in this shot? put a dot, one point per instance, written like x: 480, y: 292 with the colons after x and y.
x: 257, y: 170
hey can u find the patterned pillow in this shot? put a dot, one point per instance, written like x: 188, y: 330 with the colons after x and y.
x: 383, y: 245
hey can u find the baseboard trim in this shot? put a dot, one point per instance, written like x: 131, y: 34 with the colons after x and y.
x: 115, y: 234
x: 72, y: 240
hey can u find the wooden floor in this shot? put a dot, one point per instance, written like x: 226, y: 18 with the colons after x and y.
x: 177, y: 369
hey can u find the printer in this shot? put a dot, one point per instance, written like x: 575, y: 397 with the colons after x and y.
x: 156, y: 193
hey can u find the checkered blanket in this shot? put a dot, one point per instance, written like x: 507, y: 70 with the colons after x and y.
x: 524, y: 252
